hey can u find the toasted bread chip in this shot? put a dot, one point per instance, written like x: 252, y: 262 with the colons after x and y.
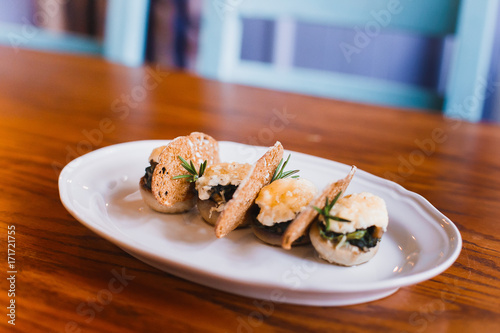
x: 299, y: 226
x: 155, y: 154
x: 260, y: 175
x: 196, y: 147
x: 206, y: 148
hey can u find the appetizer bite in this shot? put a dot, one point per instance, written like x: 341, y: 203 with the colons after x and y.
x: 279, y: 204
x: 165, y: 187
x: 261, y: 173
x: 300, y: 225
x: 349, y: 229
x: 217, y: 186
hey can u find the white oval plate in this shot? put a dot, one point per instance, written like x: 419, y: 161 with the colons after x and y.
x: 100, y: 189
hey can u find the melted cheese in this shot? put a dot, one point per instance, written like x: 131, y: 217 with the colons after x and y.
x: 221, y: 174
x: 362, y: 209
x: 283, y: 199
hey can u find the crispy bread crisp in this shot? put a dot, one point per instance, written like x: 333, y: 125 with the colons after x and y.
x: 299, y: 226
x: 260, y: 175
x: 196, y: 147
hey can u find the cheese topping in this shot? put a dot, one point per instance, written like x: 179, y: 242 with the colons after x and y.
x: 221, y: 174
x: 283, y: 199
x: 362, y: 209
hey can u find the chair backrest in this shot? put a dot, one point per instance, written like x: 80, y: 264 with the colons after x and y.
x: 469, y: 82
x: 222, y: 31
x: 124, y: 36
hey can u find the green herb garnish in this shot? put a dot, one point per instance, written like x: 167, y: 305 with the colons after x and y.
x: 280, y: 173
x: 337, y: 237
x: 362, y: 238
x: 358, y: 234
x: 193, y: 174
x: 325, y: 212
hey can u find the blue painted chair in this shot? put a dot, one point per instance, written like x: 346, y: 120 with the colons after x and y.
x: 124, y: 36
x: 471, y: 22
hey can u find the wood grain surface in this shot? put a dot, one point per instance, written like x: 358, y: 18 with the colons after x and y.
x: 54, y: 108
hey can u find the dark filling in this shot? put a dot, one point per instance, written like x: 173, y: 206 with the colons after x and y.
x: 148, y: 176
x: 222, y: 193
x: 277, y: 228
x: 362, y: 238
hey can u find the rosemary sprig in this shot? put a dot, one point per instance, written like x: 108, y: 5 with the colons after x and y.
x: 279, y: 173
x: 326, y: 211
x: 192, y: 175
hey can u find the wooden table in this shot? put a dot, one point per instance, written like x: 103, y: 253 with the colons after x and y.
x: 54, y: 108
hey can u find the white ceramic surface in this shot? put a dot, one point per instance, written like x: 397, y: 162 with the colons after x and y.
x: 100, y: 189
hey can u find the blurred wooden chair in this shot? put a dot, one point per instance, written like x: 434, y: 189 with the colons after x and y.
x: 471, y: 22
x: 124, y: 35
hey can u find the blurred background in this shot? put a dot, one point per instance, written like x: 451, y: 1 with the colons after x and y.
x: 179, y: 32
